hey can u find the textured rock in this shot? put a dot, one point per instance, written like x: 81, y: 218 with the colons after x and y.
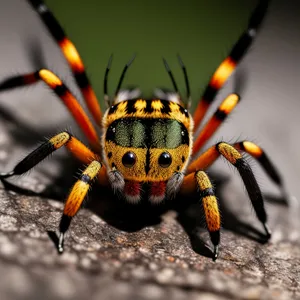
x: 119, y: 251
x: 155, y: 262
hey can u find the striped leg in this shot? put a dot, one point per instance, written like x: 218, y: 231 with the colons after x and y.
x: 65, y: 95
x: 229, y: 64
x: 75, y: 199
x: 215, y: 121
x: 258, y: 153
x: 237, y: 160
x: 199, y: 181
x: 72, y: 56
x: 78, y: 149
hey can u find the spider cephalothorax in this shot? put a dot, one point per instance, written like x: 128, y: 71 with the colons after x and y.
x: 147, y: 143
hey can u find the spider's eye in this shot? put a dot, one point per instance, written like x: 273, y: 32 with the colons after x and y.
x: 165, y: 159
x: 128, y: 159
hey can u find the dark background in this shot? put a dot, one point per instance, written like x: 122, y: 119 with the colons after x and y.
x: 202, y: 32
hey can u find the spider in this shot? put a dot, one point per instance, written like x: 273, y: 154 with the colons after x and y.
x: 147, y: 144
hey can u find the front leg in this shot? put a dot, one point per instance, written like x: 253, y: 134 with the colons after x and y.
x: 200, y: 183
x: 75, y: 199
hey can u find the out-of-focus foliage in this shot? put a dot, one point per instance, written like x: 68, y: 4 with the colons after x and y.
x: 201, y: 31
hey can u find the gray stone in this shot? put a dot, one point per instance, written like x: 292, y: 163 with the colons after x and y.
x: 119, y: 251
x: 155, y: 262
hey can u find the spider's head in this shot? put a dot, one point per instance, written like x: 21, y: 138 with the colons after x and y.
x: 147, y: 141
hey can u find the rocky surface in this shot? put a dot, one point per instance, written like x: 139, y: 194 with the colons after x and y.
x: 108, y: 257
x: 119, y: 251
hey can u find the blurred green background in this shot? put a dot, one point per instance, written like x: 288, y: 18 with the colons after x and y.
x: 201, y: 31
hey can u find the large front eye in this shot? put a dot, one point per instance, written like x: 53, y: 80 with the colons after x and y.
x: 128, y: 159
x: 165, y: 159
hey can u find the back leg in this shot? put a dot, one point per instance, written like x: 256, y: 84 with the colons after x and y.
x: 215, y: 121
x: 72, y: 56
x: 229, y: 64
x: 239, y: 162
x: 259, y: 154
x: 62, y: 91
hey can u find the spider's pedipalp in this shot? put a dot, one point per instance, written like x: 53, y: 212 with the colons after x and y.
x: 174, y: 184
x: 116, y: 180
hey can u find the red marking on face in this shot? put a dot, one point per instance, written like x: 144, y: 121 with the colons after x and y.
x: 158, y: 189
x: 132, y: 188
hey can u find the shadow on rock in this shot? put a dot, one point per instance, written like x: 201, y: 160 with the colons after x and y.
x: 125, y: 216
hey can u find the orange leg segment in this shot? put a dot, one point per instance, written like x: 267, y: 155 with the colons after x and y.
x: 259, y: 154
x: 216, y: 120
x: 226, y: 68
x: 80, y: 188
x: 72, y: 56
x: 77, y: 148
x: 76, y: 198
x: 61, y: 90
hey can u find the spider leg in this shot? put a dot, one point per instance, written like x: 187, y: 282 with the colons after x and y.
x: 226, y: 68
x: 236, y: 159
x: 78, y: 149
x: 215, y: 121
x: 199, y: 182
x: 259, y: 154
x: 75, y: 199
x: 62, y: 91
x: 72, y: 56
x: 81, y: 187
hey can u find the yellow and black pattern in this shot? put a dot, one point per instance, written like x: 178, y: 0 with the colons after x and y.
x: 210, y: 207
x: 152, y: 132
x: 146, y: 167
x: 78, y: 149
x: 80, y: 189
x: 198, y: 182
x: 76, y: 197
x: 237, y: 160
x: 150, y: 109
x: 146, y: 145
